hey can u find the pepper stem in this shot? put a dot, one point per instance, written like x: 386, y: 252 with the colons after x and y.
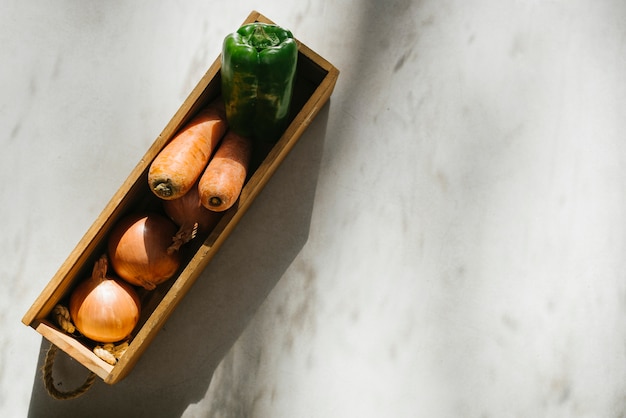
x: 260, y: 39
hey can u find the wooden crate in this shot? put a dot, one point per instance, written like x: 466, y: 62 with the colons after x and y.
x: 315, y: 81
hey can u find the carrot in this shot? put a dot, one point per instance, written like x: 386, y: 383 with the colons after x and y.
x: 180, y: 163
x: 221, y: 183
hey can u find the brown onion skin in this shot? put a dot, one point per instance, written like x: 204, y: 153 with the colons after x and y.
x: 188, y: 210
x: 139, y: 249
x: 104, y: 309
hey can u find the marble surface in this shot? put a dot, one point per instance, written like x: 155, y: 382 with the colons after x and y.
x: 446, y: 240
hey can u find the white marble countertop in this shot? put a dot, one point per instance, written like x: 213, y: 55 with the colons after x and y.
x: 447, y: 239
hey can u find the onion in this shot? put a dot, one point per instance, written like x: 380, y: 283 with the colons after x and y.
x: 190, y: 215
x: 143, y: 250
x: 103, y: 308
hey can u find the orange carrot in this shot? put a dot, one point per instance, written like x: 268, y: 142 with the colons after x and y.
x: 180, y: 163
x: 223, y: 179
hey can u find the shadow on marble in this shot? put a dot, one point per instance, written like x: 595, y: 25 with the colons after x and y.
x: 177, y: 369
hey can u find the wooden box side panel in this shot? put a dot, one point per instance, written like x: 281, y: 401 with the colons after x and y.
x: 73, y: 348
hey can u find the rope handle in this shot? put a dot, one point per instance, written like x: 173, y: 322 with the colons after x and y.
x: 48, y: 379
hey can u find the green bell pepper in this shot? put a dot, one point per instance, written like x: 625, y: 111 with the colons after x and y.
x: 258, y: 70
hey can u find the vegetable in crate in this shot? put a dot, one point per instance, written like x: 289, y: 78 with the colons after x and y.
x: 258, y: 70
x: 103, y: 308
x: 188, y: 213
x: 181, y: 162
x: 143, y: 249
x: 221, y: 183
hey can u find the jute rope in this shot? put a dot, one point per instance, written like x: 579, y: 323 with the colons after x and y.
x: 62, y: 316
x: 48, y: 380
